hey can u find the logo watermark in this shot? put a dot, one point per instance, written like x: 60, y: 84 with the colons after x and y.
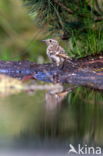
x: 85, y: 149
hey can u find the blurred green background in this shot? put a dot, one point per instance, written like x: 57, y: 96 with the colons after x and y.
x: 21, y: 32
x: 23, y: 116
x: 19, y: 37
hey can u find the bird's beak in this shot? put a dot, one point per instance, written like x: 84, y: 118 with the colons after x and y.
x: 43, y: 40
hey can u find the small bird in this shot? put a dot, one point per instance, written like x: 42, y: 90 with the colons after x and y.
x: 55, y: 52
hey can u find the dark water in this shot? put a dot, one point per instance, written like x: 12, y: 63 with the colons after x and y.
x: 31, y: 126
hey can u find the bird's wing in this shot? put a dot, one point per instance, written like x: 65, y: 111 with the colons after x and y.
x: 61, y: 53
x: 65, y: 56
x: 61, y: 50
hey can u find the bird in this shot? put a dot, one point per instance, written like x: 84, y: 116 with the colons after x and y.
x: 55, y: 52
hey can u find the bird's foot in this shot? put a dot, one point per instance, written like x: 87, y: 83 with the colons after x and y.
x: 73, y: 63
x: 61, y: 66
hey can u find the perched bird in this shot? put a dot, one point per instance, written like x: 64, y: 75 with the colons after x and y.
x: 55, y: 52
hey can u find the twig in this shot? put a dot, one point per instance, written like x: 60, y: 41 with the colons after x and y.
x: 97, y: 19
x: 64, y: 7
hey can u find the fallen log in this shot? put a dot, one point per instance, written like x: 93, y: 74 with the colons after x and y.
x: 87, y: 71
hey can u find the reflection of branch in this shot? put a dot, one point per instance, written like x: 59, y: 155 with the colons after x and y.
x: 63, y: 6
x: 52, y: 87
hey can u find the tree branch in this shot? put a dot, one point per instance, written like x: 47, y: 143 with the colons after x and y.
x: 86, y: 71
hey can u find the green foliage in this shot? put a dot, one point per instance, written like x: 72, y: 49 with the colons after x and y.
x: 75, y: 20
x: 66, y: 19
x: 62, y: 15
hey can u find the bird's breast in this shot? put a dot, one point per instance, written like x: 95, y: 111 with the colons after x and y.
x: 52, y: 50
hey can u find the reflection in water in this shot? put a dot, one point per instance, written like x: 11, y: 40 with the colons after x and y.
x: 77, y: 117
x: 55, y: 96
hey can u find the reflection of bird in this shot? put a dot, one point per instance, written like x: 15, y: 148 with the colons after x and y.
x: 55, y: 52
x: 55, y: 97
x: 54, y: 100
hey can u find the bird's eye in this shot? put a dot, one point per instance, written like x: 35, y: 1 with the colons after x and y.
x: 50, y: 40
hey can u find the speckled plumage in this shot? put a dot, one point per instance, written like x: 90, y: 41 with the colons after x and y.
x: 55, y: 52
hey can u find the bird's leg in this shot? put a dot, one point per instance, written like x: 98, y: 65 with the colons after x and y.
x: 73, y: 63
x: 61, y: 66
